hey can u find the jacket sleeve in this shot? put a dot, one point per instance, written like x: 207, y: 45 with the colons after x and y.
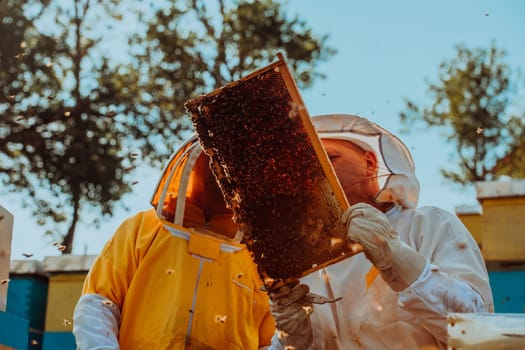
x: 96, y: 323
x: 266, y: 331
x: 434, y: 295
x: 454, y: 280
x: 97, y: 313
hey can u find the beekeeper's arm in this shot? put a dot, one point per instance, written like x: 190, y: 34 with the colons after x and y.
x: 97, y: 313
x: 291, y: 310
x: 96, y: 318
x: 95, y: 323
x: 424, y: 290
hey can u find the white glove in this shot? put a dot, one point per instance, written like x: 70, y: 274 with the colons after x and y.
x: 291, y: 309
x: 399, y: 264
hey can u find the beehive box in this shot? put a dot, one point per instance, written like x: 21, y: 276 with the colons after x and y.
x: 274, y: 173
x: 506, y: 282
x: 66, y: 278
x: 503, y: 222
x: 471, y: 216
x: 473, y: 331
x: 14, y: 331
x: 27, y: 295
x: 6, y: 235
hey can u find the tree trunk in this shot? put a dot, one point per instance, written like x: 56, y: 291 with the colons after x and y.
x: 67, y: 242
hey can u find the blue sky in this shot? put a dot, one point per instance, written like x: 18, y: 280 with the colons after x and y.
x: 386, y: 50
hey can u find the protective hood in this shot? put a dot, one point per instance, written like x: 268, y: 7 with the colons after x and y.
x: 396, y: 173
x: 169, y: 198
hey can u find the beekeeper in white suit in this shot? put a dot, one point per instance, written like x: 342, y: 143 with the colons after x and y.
x: 418, y: 265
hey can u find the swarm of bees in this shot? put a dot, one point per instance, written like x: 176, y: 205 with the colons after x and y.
x: 269, y: 174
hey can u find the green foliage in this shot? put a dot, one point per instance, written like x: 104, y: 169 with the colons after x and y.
x: 196, y: 46
x: 512, y: 163
x: 61, y: 146
x: 471, y: 102
x: 74, y: 115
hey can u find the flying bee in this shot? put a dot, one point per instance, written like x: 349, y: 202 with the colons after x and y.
x: 335, y: 241
x: 462, y: 245
x: 220, y: 319
x: 20, y: 55
x: 308, y: 309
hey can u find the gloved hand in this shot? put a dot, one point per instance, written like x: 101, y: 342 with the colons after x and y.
x: 291, y: 309
x: 399, y: 264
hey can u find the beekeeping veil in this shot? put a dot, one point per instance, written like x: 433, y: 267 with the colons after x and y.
x: 170, y: 195
x: 396, y: 171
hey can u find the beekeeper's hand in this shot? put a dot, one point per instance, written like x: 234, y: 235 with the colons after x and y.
x: 399, y: 264
x: 291, y: 309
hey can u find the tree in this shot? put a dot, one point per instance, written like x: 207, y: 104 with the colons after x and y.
x: 471, y: 102
x: 196, y: 46
x: 62, y: 145
x: 74, y: 118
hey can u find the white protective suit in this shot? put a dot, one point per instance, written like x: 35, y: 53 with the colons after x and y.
x: 371, y: 315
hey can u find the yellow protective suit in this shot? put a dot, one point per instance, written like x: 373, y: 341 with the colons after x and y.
x: 175, y: 284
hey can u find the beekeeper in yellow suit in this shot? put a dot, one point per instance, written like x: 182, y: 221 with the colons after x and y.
x: 176, y: 276
x: 418, y: 265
